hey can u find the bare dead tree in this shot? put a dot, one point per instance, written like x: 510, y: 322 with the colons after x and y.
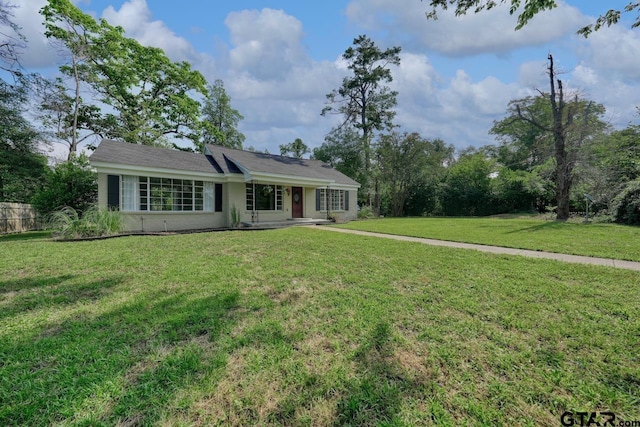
x: 563, y: 115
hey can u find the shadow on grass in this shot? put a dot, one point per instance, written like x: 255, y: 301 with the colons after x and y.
x: 122, y: 367
x: 47, y: 292
x: 547, y: 225
x: 7, y: 286
x: 27, y: 236
x: 376, y: 395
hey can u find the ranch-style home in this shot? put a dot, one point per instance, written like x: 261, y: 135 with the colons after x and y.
x: 160, y: 189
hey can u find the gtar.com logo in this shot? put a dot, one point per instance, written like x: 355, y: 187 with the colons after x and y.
x: 583, y: 419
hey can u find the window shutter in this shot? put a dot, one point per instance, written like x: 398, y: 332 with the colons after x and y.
x: 346, y: 200
x: 218, y: 196
x: 113, y: 192
x: 318, y: 199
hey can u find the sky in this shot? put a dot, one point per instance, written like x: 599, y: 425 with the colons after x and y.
x: 278, y: 59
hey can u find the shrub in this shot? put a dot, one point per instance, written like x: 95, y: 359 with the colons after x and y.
x: 235, y: 216
x: 95, y: 222
x: 626, y: 205
x: 365, y: 212
x: 71, y: 184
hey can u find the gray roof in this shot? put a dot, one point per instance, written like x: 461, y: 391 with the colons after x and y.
x: 277, y: 165
x: 125, y: 153
x: 222, y: 160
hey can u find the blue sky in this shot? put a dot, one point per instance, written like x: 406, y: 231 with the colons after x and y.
x: 279, y: 58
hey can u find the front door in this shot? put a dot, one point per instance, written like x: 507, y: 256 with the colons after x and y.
x: 296, y: 202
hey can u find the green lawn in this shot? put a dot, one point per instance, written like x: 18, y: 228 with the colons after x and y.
x: 599, y: 240
x: 301, y: 326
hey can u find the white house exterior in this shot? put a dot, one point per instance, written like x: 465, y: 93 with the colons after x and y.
x: 160, y: 189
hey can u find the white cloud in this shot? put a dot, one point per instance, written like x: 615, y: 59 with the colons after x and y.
x: 487, y: 32
x: 584, y: 76
x: 280, y: 89
x: 137, y: 20
x: 533, y: 74
x: 40, y: 53
x: 267, y: 43
x: 615, y: 50
x: 457, y: 109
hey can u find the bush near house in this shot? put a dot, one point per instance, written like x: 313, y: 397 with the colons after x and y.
x: 69, y: 184
x: 626, y: 205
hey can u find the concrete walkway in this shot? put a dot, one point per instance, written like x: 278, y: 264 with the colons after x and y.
x: 576, y: 259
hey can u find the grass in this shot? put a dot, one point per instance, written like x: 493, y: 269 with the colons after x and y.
x: 304, y: 327
x: 577, y: 238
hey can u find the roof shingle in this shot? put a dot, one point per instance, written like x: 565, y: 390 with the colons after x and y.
x: 222, y: 160
x: 279, y: 165
x: 154, y: 157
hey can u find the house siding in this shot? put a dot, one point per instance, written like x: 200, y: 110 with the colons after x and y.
x: 228, y: 169
x: 165, y: 221
x: 311, y: 206
x: 173, y: 221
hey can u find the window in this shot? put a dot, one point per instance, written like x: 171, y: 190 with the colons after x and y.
x: 263, y: 197
x: 337, y: 200
x: 166, y: 194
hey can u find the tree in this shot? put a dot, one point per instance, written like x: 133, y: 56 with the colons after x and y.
x: 220, y: 120
x: 342, y: 151
x: 148, y: 97
x: 521, y: 145
x: 60, y: 112
x: 530, y: 9
x: 64, y: 117
x: 362, y: 102
x: 558, y: 129
x: 11, y: 42
x: 22, y: 166
x: 409, y: 163
x: 423, y: 196
x: 296, y: 149
x: 70, y: 184
x: 612, y: 160
x: 466, y: 188
x: 519, y: 190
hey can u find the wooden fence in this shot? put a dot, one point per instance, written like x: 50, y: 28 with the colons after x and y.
x: 18, y: 217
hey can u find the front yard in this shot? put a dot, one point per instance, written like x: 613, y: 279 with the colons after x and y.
x: 304, y: 327
x: 577, y: 238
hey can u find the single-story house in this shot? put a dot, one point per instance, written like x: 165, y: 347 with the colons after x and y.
x: 161, y: 189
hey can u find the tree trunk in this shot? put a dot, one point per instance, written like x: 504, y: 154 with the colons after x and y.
x: 73, y: 144
x: 376, y: 196
x: 563, y: 168
x: 563, y: 185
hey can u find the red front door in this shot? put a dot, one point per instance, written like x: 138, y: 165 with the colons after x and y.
x: 296, y: 202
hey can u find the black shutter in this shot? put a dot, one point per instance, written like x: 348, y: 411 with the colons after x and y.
x: 113, y: 192
x: 218, y: 196
x: 318, y: 199
x: 346, y: 200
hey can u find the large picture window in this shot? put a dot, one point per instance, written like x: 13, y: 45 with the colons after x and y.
x: 264, y: 197
x: 142, y: 193
x: 331, y: 200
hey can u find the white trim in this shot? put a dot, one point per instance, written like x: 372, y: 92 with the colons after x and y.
x: 115, y: 169
x: 247, y: 176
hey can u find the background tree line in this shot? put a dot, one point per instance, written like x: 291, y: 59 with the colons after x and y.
x: 553, y: 152
x: 550, y: 150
